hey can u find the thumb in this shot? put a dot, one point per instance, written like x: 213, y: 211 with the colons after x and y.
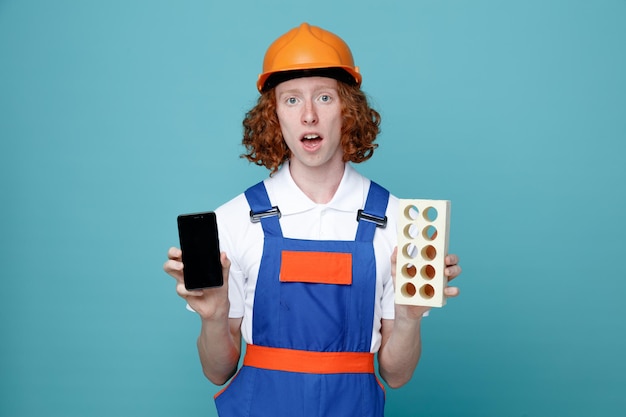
x: 394, y: 262
x: 225, y: 266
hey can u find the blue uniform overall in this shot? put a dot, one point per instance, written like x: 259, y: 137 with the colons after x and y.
x: 311, y: 334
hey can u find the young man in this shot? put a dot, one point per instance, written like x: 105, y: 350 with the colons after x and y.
x: 308, y: 282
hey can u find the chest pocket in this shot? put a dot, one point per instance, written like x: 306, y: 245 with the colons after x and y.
x: 316, y: 267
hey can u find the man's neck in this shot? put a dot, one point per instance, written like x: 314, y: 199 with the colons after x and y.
x: 319, y: 184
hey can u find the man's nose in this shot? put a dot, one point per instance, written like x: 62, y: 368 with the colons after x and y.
x: 309, y: 115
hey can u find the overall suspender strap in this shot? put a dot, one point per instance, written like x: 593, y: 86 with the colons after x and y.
x: 308, y: 362
x: 261, y: 209
x: 373, y: 214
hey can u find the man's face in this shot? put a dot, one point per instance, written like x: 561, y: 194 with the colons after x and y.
x: 309, y: 112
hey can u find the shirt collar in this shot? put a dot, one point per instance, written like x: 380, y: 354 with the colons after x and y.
x: 284, y: 192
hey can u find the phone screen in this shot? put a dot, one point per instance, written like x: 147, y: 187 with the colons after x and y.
x: 201, y: 251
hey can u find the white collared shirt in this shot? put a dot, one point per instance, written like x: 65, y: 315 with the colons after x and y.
x: 301, y: 218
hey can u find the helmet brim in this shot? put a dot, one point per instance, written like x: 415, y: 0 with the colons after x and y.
x: 350, y: 76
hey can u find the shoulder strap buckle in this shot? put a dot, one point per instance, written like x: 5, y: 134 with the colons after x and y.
x: 256, y: 217
x: 378, y: 221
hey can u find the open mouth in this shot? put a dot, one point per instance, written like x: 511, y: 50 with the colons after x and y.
x: 311, y: 140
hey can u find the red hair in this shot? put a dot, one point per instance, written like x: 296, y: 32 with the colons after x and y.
x: 264, y: 142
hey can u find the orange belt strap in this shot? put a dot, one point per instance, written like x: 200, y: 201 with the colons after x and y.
x: 308, y: 362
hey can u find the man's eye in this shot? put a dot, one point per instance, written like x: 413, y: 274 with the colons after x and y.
x: 292, y: 100
x: 325, y: 98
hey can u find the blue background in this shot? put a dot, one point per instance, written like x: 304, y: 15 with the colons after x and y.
x: 115, y: 116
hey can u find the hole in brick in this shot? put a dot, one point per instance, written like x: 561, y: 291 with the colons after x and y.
x: 411, y: 212
x: 408, y: 290
x: 429, y: 252
x: 410, y: 250
x: 411, y: 231
x: 409, y: 271
x: 430, y: 233
x: 427, y: 291
x: 430, y: 214
x: 428, y: 272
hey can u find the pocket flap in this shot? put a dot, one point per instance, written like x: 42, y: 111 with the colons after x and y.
x: 316, y: 267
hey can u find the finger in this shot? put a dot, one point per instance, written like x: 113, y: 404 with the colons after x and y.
x: 451, y: 291
x: 394, y: 262
x: 452, y: 272
x: 185, y: 293
x: 225, y: 261
x: 175, y: 253
x: 394, y: 257
x: 452, y: 259
x: 174, y: 268
x: 225, y: 268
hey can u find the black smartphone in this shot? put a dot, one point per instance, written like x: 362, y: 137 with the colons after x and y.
x: 201, y: 250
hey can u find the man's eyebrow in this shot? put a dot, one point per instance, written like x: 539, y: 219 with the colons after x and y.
x: 290, y: 91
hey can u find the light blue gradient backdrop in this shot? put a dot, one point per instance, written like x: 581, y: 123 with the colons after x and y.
x: 115, y: 116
